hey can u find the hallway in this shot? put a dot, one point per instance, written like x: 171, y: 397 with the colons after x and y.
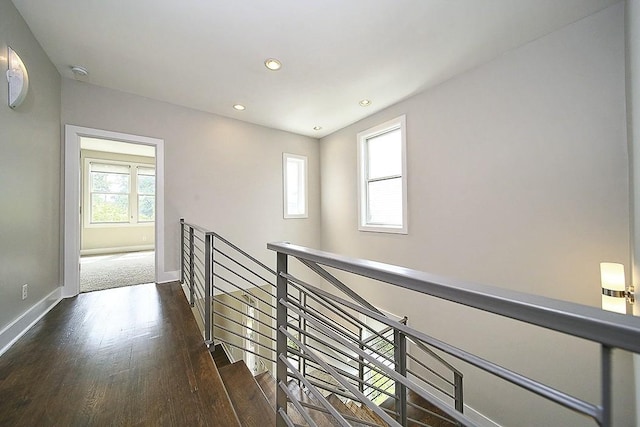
x: 125, y: 356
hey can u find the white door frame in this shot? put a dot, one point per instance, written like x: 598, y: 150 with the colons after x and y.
x: 72, y: 178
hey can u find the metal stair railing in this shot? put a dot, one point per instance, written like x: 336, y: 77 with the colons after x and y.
x: 608, y: 330
x: 224, y: 283
x: 232, y: 293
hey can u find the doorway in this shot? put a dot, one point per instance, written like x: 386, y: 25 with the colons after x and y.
x: 109, y: 208
x: 117, y: 214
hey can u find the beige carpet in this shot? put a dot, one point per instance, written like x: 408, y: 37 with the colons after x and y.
x: 100, y: 272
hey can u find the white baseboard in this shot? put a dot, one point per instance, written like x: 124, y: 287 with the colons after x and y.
x: 168, y: 276
x: 14, y: 330
x: 117, y: 250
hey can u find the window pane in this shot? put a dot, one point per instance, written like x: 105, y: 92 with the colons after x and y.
x: 109, y: 182
x: 385, y: 202
x: 146, y: 208
x: 385, y: 154
x: 295, y: 186
x: 146, y: 184
x: 109, y: 208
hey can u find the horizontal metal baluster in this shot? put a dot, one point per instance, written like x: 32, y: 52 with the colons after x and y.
x: 260, y: 355
x: 437, y: 374
x: 388, y: 372
x: 229, y: 331
x: 336, y: 309
x: 286, y: 418
x: 244, y: 302
x: 338, y: 378
x: 327, y: 321
x: 308, y: 309
x: 431, y: 384
x: 266, y: 325
x: 297, y: 405
x: 245, y: 290
x: 246, y: 255
x: 338, y: 284
x: 536, y: 387
x: 239, y: 264
x: 243, y: 326
x: 333, y: 411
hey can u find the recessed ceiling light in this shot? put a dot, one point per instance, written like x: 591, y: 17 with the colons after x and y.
x: 317, y: 127
x: 365, y: 103
x: 79, y: 71
x: 239, y: 107
x: 272, y: 64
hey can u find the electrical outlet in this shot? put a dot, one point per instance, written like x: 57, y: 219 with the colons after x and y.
x: 25, y: 289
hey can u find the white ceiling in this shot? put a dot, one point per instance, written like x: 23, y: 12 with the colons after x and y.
x: 208, y: 54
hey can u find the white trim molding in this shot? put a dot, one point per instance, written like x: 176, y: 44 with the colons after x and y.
x: 169, y: 276
x: 16, y: 329
x: 71, y: 243
x: 117, y: 250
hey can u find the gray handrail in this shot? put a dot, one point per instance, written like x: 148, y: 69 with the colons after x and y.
x: 607, y: 328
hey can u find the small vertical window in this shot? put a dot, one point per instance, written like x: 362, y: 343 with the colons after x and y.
x: 294, y: 170
x: 382, y: 183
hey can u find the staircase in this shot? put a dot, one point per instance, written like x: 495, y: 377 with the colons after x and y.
x: 339, y: 360
x: 254, y: 401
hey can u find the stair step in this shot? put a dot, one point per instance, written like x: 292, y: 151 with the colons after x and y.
x: 247, y: 397
x: 220, y: 356
x: 321, y: 418
x: 344, y: 409
x: 268, y: 385
x: 423, y: 416
x: 365, y: 414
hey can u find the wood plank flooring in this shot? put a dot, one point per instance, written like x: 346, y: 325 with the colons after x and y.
x: 126, y: 356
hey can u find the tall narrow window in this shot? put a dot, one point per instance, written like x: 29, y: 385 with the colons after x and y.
x: 146, y: 194
x: 109, y: 193
x: 295, y: 186
x: 382, y: 183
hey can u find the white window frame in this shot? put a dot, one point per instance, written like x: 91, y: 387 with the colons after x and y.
x: 133, y: 194
x: 363, y: 197
x: 302, y: 181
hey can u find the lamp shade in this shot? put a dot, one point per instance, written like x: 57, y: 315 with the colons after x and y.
x: 18, y: 79
x: 613, y: 287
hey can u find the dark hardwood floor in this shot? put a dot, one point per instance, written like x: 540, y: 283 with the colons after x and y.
x: 120, y: 357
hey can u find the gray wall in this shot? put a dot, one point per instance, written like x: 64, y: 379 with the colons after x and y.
x: 29, y: 174
x: 220, y: 173
x: 517, y: 177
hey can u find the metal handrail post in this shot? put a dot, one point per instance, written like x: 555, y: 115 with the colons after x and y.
x: 192, y: 291
x: 606, y: 414
x: 303, y: 326
x: 361, y: 362
x: 458, y: 392
x: 207, y: 288
x: 281, y: 342
x: 400, y: 360
x: 182, y: 251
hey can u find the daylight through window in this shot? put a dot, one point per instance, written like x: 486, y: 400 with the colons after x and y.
x: 120, y: 192
x: 382, y: 178
x: 295, y: 186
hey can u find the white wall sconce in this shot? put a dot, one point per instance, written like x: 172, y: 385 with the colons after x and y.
x: 18, y: 79
x: 614, y: 289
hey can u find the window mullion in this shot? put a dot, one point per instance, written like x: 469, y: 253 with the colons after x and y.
x: 133, y: 194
